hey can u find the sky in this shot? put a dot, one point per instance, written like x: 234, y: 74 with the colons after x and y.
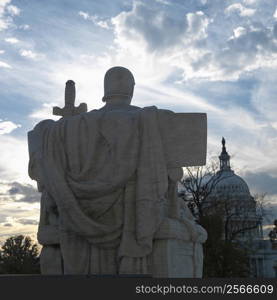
x: 212, y: 56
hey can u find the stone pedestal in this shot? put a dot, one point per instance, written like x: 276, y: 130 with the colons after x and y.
x: 177, y: 250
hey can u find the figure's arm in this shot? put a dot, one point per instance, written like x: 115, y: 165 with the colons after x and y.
x: 35, y: 138
x: 48, y: 226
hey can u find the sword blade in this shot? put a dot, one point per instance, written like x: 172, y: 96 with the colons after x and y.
x: 70, y: 94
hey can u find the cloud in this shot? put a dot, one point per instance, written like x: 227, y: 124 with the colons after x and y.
x: 12, y: 40
x: 14, y: 158
x: 84, y: 15
x: 3, y: 4
x: 7, y: 12
x: 3, y: 218
x: 194, y: 43
x: 94, y: 19
x: 30, y: 54
x: 251, y: 47
x: 27, y: 222
x: 250, y: 2
x: 23, y: 192
x: 238, y: 31
x: 7, y: 127
x: 19, y: 192
x: 163, y: 2
x: 270, y: 214
x: 4, y: 22
x: 149, y: 27
x: 17, y: 217
x: 197, y: 25
x: 24, y: 27
x: 275, y: 14
x: 264, y: 95
x: 23, y: 222
x: 5, y: 65
x: 240, y: 9
x: 248, y: 49
x: 261, y: 182
x: 159, y: 42
x: 44, y: 112
x: 13, y: 10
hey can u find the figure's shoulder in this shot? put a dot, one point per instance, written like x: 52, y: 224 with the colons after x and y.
x: 133, y: 107
x: 166, y: 111
x: 43, y: 124
x: 157, y: 110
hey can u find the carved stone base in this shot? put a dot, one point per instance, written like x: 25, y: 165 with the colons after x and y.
x: 175, y: 254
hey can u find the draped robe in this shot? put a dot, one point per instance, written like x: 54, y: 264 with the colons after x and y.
x: 106, y: 173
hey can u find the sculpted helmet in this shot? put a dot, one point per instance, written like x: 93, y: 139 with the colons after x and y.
x: 118, y: 81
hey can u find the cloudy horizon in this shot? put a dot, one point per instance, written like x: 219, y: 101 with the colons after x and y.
x: 218, y: 57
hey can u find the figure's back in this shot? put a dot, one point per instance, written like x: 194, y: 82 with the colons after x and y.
x: 110, y: 174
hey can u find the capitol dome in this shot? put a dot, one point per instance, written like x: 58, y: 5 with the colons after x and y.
x: 242, y: 219
x: 226, y: 181
x: 229, y: 182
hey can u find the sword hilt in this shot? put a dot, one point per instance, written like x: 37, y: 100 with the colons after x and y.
x: 70, y: 111
x: 69, y: 108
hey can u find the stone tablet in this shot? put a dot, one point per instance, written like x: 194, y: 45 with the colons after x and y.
x: 185, y: 138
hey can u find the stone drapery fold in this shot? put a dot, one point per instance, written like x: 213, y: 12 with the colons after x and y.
x: 85, y: 164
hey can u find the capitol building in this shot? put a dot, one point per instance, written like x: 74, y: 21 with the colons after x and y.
x: 242, y: 217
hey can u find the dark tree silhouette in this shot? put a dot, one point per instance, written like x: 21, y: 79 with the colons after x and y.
x: 222, y: 258
x: 198, y: 184
x: 224, y: 218
x: 19, y: 255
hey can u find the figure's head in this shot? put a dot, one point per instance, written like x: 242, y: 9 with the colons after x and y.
x: 118, y: 84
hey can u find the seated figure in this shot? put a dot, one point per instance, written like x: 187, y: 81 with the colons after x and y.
x: 108, y: 180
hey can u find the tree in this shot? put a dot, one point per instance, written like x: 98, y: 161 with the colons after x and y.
x: 222, y: 258
x: 242, y: 217
x: 273, y: 233
x: 225, y: 218
x: 198, y: 184
x: 19, y: 255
